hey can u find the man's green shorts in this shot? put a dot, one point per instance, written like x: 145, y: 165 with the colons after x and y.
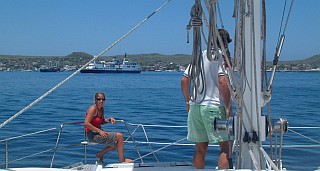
x: 200, y: 124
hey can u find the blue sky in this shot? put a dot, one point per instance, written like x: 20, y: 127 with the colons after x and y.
x: 60, y: 27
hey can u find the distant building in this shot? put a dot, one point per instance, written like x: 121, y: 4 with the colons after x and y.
x: 295, y: 68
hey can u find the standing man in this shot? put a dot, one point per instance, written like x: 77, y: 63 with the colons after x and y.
x: 210, y: 100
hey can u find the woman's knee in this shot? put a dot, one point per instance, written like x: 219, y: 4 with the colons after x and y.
x: 119, y: 136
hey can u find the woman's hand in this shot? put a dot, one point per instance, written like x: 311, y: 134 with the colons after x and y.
x: 112, y: 120
x: 103, y: 134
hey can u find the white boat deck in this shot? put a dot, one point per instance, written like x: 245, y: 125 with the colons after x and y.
x: 161, y: 166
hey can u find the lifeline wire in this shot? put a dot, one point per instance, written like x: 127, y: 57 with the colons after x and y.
x: 76, y: 72
x: 176, y: 143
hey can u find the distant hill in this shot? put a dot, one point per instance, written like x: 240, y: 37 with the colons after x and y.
x: 145, y: 60
x: 183, y: 59
x: 20, y: 61
x: 314, y: 60
x: 308, y: 63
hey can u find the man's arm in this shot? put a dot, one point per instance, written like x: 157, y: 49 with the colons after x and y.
x: 185, y: 87
x: 225, y: 94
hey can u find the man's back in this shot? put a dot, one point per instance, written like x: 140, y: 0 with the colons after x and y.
x: 207, y: 83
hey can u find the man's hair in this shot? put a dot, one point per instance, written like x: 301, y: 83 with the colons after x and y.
x: 225, y: 37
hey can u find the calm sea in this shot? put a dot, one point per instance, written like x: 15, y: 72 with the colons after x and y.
x: 149, y: 98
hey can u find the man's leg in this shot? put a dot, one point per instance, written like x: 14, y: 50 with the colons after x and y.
x: 223, y: 162
x: 200, y: 155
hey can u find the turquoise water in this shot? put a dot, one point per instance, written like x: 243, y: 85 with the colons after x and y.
x: 147, y: 98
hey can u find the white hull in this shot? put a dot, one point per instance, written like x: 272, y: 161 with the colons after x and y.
x: 122, y: 167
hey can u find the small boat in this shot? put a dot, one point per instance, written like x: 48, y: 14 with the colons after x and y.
x: 53, y: 69
x: 115, y: 66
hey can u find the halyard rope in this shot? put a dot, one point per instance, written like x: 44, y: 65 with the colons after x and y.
x: 76, y: 72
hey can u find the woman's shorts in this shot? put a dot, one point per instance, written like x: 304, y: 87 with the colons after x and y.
x: 200, y: 124
x: 95, y: 137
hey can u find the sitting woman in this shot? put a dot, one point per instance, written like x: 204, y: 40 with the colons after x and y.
x: 94, y: 119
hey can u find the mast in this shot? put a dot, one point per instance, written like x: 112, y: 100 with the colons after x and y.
x: 253, y: 122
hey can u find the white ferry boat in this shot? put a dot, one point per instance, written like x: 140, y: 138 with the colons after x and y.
x: 115, y: 66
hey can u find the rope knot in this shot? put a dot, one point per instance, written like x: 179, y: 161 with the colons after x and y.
x: 196, y: 15
x: 196, y: 22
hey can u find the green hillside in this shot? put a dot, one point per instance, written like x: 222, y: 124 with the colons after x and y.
x: 145, y: 60
x: 314, y: 60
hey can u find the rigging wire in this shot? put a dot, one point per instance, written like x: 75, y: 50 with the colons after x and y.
x: 76, y: 72
x: 280, y: 42
x: 305, y: 136
x: 282, y: 20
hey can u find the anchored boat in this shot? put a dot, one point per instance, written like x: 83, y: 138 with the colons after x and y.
x: 49, y: 69
x: 52, y: 67
x: 115, y: 66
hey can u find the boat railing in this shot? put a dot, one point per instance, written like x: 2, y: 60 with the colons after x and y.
x: 138, y: 135
x: 58, y: 140
x: 7, y: 140
x: 144, y: 128
x: 54, y: 150
x: 130, y: 140
x: 84, y: 142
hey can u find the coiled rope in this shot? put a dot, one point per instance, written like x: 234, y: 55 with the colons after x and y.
x: 76, y: 72
x: 195, y: 68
